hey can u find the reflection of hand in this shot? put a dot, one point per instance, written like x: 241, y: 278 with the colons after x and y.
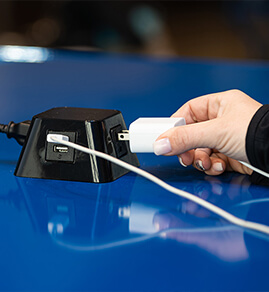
x: 212, y: 189
x: 228, y: 245
x: 214, y: 137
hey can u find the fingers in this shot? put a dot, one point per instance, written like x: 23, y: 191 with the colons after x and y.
x: 180, y: 139
x: 200, y: 109
x: 199, y: 157
x: 216, y: 121
x: 210, y: 164
x: 202, y: 159
x: 218, y: 164
x: 186, y: 158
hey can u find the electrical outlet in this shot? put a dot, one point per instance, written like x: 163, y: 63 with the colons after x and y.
x: 119, y: 146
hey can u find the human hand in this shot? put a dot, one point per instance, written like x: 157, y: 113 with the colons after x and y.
x: 214, y: 137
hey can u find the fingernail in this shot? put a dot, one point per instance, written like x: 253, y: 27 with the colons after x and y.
x: 199, y: 165
x: 162, y: 146
x: 181, y: 162
x: 218, y: 166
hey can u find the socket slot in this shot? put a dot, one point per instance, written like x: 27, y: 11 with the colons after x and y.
x: 119, y: 146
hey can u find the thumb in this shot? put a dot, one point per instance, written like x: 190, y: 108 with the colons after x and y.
x: 180, y: 139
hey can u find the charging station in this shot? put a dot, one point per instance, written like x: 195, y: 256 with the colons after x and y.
x: 93, y: 128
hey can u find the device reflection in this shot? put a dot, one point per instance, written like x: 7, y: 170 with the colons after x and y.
x: 110, y: 216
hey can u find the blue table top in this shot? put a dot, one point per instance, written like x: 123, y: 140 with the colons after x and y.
x: 60, y: 235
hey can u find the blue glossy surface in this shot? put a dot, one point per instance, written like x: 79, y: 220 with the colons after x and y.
x: 59, y: 236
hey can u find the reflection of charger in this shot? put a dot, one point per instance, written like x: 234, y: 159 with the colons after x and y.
x: 141, y: 218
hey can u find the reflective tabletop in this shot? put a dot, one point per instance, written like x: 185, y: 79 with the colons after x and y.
x: 126, y: 235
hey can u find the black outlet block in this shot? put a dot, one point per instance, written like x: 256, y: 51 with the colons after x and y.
x: 93, y: 128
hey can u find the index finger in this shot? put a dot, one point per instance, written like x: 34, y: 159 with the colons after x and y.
x: 200, y: 109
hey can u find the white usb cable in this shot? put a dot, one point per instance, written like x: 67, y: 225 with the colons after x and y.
x: 255, y: 169
x: 222, y: 213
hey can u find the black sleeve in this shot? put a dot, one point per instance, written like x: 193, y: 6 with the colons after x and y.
x: 257, y: 143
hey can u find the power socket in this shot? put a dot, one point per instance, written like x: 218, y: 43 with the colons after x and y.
x: 93, y: 128
x: 120, y: 146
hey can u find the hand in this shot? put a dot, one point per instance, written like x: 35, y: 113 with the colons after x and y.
x: 214, y: 137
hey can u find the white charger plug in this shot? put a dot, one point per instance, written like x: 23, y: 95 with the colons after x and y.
x: 143, y: 132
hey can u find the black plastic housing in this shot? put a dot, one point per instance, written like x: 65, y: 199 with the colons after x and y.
x: 94, y: 128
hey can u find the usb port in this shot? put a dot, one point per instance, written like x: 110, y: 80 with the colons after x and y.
x: 60, y: 149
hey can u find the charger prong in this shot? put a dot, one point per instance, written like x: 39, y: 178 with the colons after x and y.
x: 123, y: 136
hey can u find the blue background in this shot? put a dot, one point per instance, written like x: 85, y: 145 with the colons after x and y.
x: 97, y: 250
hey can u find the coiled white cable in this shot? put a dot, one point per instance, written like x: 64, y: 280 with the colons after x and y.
x: 222, y: 213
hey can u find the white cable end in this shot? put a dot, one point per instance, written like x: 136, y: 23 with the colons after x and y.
x: 54, y: 138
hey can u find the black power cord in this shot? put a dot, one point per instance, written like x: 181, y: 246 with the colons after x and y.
x: 17, y: 131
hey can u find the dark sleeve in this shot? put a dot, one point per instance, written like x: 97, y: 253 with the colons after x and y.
x: 257, y: 143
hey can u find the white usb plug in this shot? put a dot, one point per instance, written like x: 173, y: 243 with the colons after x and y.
x: 51, y: 137
x: 143, y: 132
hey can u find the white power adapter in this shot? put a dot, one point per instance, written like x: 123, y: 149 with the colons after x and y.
x: 143, y: 132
